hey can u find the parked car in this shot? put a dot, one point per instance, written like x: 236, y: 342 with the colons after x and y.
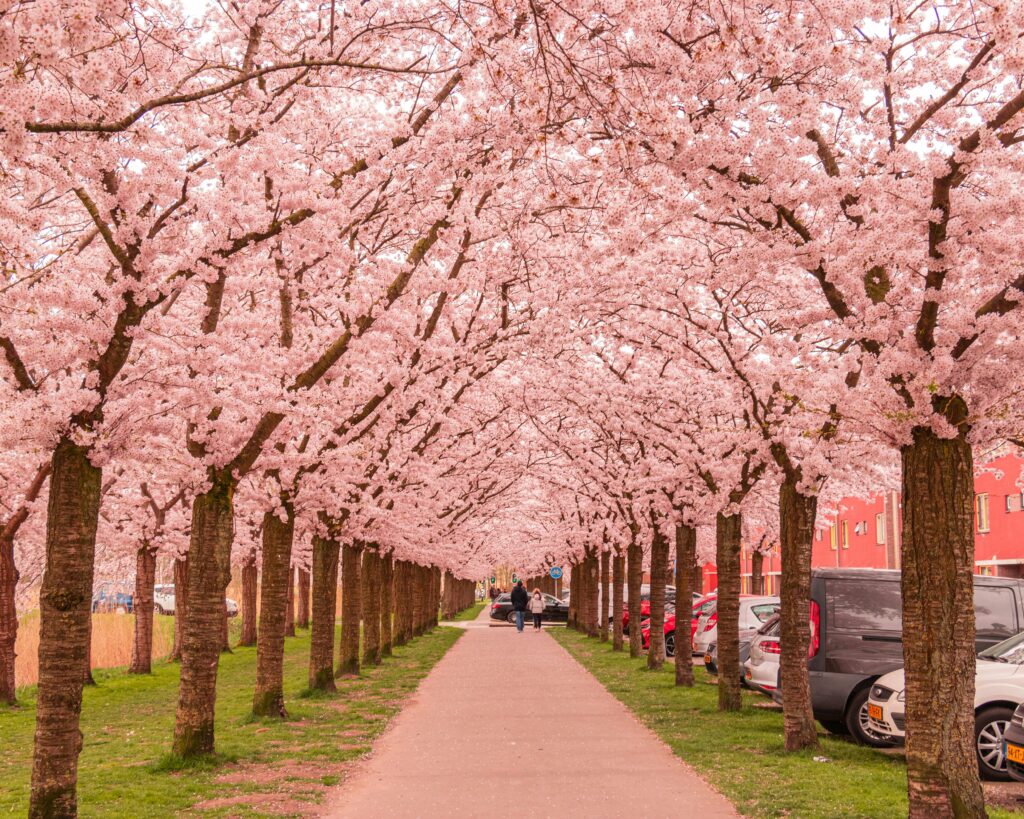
x: 701, y: 604
x: 645, y: 604
x: 555, y: 610
x: 711, y: 655
x: 163, y: 598
x: 754, y: 612
x: 857, y: 636
x: 998, y: 690
x: 761, y: 668
x: 108, y: 599
x: 1013, y: 736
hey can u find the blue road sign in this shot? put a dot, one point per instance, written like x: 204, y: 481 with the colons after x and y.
x: 556, y: 572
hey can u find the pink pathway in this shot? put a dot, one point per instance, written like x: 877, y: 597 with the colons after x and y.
x: 509, y: 724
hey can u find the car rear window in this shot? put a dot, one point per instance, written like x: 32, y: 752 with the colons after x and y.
x: 764, y: 611
x: 995, y: 609
x: 873, y: 605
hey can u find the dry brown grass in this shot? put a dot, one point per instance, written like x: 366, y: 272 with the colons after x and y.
x: 112, y: 636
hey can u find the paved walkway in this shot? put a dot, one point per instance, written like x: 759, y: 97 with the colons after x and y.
x: 509, y: 724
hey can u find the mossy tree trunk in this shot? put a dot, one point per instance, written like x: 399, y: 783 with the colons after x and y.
x: 686, y: 557
x: 938, y: 621
x: 634, y: 579
x: 142, y: 606
x: 659, y: 568
x: 324, y: 605
x: 65, y: 603
x: 727, y: 549
x: 302, y: 615
x: 180, y: 604
x: 351, y: 610
x: 605, y: 600
x: 387, y: 604
x: 618, y: 584
x: 278, y: 537
x: 370, y: 596
x: 250, y: 588
x: 796, y: 535
x: 8, y: 619
x: 209, y: 572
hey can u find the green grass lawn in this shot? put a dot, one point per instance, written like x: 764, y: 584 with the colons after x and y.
x: 264, y: 767
x: 741, y: 754
x: 470, y: 613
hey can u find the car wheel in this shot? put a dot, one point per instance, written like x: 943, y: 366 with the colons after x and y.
x: 670, y: 644
x: 989, y: 727
x: 834, y: 726
x: 859, y: 726
x: 511, y: 617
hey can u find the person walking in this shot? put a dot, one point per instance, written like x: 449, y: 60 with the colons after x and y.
x: 537, y: 608
x: 520, y: 599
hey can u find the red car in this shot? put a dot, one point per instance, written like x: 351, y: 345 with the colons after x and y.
x: 702, y: 606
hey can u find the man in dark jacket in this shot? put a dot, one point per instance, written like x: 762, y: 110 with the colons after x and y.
x: 519, y: 601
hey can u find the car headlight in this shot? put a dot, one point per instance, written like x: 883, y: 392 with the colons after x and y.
x: 901, y: 696
x: 1018, y: 716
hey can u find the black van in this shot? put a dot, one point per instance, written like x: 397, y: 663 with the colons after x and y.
x: 857, y: 635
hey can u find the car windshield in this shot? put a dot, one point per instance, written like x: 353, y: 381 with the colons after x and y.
x: 1008, y: 651
x: 503, y: 598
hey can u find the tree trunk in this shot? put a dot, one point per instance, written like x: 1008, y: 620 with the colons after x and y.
x: 686, y: 557
x: 605, y: 567
x: 371, y: 607
x: 635, y: 576
x: 302, y: 618
x: 796, y: 535
x: 592, y: 590
x: 87, y: 678
x: 574, y: 596
x: 727, y: 550
x: 756, y: 576
x: 225, y: 643
x: 419, y: 602
x: 142, y: 606
x: 351, y: 610
x: 403, y: 603
x: 289, y: 611
x: 938, y: 620
x: 65, y: 602
x: 324, y: 604
x: 180, y: 604
x: 618, y: 582
x: 8, y: 619
x: 250, y: 586
x: 387, y: 604
x: 278, y: 535
x: 209, y: 572
x: 659, y: 567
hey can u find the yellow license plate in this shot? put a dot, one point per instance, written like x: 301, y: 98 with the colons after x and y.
x: 875, y: 712
x: 1015, y: 753
x: 707, y: 658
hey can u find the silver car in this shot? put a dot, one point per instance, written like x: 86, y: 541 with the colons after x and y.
x: 754, y: 613
x: 761, y: 670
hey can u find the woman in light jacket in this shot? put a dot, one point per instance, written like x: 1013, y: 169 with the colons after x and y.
x: 537, y: 607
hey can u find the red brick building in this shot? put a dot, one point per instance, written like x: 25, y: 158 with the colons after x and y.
x: 866, y: 531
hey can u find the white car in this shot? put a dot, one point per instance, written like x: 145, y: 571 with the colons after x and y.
x: 163, y: 600
x: 998, y: 690
x: 754, y: 613
x: 761, y: 669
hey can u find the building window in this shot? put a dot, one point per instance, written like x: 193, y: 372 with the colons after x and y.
x: 846, y: 534
x: 861, y: 528
x: 832, y: 537
x: 1015, y: 503
x: 981, y: 511
x: 880, y: 528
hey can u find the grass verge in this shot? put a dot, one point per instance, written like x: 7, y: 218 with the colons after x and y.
x: 470, y: 613
x: 742, y: 754
x: 263, y: 767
